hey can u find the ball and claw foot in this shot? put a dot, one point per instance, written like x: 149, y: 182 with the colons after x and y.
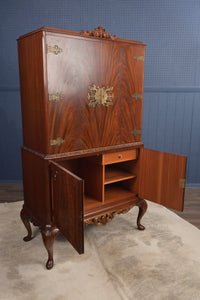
x: 142, y: 204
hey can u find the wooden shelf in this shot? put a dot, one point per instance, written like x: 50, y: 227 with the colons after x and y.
x: 115, y: 193
x: 90, y: 203
x: 114, y: 174
x: 115, y: 196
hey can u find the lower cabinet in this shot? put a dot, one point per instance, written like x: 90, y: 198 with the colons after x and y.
x: 93, y: 189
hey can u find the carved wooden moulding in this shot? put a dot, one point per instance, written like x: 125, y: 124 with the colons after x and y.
x: 99, y: 32
x: 103, y: 220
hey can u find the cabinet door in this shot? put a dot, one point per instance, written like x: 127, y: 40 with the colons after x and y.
x: 122, y: 121
x: 162, y: 177
x: 73, y: 123
x: 67, y: 205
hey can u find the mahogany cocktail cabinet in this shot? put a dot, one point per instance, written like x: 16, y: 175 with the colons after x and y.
x: 83, y: 158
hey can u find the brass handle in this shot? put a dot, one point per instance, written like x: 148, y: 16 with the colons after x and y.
x: 120, y: 156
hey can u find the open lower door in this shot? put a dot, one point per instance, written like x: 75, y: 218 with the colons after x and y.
x: 162, y: 178
x: 67, y: 204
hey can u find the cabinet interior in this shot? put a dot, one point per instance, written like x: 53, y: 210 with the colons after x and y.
x: 104, y: 184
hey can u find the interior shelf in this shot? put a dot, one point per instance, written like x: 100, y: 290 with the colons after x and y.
x: 90, y: 202
x: 115, y: 174
x: 115, y: 193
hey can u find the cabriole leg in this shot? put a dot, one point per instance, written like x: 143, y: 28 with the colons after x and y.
x: 142, y: 204
x: 26, y: 221
x: 49, y: 234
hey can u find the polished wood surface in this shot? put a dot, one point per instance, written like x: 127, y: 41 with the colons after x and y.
x: 49, y: 234
x: 31, y: 53
x: 83, y: 62
x: 75, y: 35
x: 70, y: 74
x: 132, y: 77
x: 159, y: 177
x: 36, y: 183
x: 83, y: 161
x: 67, y: 205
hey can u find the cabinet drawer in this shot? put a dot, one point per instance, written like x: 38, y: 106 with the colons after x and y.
x: 111, y: 158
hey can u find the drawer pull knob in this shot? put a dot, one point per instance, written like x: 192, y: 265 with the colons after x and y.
x: 120, y: 156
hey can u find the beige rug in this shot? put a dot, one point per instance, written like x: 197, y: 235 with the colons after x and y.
x: 120, y: 262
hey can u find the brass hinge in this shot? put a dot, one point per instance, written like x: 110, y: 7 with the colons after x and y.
x: 56, y: 142
x: 139, y: 58
x: 136, y: 132
x: 137, y: 96
x: 54, y: 49
x: 55, y: 97
x: 182, y: 183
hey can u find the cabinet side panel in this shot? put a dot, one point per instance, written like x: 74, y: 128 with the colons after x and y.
x: 36, y: 186
x: 32, y: 84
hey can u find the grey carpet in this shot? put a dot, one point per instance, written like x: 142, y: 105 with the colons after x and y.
x: 120, y: 262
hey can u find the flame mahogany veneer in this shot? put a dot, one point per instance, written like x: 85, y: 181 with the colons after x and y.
x: 83, y: 157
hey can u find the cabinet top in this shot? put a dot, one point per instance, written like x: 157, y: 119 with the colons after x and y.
x: 98, y: 33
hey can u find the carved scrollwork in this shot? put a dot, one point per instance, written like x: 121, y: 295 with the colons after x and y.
x: 104, y: 219
x: 99, y: 32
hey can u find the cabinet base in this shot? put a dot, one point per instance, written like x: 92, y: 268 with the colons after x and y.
x: 49, y: 232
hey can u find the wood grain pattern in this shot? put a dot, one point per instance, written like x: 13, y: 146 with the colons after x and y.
x: 132, y: 74
x: 71, y: 73
x: 81, y: 63
x: 67, y: 204
x: 159, y: 177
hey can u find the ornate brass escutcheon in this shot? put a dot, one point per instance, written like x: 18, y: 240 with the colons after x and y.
x: 98, y: 96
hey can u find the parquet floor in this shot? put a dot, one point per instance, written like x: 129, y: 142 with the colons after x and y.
x: 191, y: 213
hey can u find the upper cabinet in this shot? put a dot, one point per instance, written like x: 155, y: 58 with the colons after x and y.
x: 86, y: 92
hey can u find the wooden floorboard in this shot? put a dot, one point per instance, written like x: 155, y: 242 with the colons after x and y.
x: 191, y: 213
x: 11, y: 193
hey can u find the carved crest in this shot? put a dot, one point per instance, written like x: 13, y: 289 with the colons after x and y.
x: 98, y: 96
x: 99, y: 32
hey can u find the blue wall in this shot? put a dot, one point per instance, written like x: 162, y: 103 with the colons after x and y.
x: 172, y: 68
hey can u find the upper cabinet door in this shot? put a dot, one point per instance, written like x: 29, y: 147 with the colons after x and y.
x: 73, y: 66
x: 122, y: 70
x: 162, y: 178
x: 67, y: 204
x: 132, y: 78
